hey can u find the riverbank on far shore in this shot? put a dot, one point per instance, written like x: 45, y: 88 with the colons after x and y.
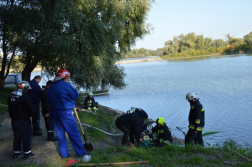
x: 38, y: 69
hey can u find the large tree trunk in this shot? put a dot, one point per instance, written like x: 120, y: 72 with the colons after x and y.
x: 31, y: 63
x: 2, y: 81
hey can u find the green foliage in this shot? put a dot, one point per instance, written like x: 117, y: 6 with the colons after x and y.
x: 86, y: 37
x: 195, y: 45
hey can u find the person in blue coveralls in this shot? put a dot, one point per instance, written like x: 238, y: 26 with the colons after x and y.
x: 61, y: 97
x: 35, y: 94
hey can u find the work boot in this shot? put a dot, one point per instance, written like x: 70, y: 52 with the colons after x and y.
x: 36, y: 132
x: 17, y: 155
x: 39, y: 129
x: 51, y: 137
x: 29, y: 155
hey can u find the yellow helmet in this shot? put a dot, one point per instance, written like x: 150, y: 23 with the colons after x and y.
x: 160, y: 121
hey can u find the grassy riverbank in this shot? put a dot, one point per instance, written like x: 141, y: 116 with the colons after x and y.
x: 228, y: 153
x: 108, y: 149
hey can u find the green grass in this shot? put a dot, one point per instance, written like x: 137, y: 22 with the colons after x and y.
x: 4, y: 94
x: 175, y: 156
x: 100, y: 120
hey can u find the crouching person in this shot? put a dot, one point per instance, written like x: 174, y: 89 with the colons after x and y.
x: 89, y: 102
x: 163, y: 133
x: 144, y: 125
x: 131, y: 123
x: 20, y: 111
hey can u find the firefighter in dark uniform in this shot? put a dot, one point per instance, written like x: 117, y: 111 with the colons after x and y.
x: 89, y: 102
x: 35, y: 95
x: 196, y: 120
x: 163, y: 133
x: 47, y: 114
x: 20, y: 111
x: 144, y: 125
x: 131, y: 122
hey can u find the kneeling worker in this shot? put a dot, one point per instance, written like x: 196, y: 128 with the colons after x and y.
x: 89, y: 102
x: 163, y: 133
x: 20, y: 111
x: 131, y: 122
x: 196, y: 120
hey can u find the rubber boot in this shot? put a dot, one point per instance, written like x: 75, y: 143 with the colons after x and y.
x: 51, y: 137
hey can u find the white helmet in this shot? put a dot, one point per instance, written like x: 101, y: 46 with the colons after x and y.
x: 191, y: 95
x: 90, y: 94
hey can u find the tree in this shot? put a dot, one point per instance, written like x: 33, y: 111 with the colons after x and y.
x: 85, y: 37
x: 13, y: 21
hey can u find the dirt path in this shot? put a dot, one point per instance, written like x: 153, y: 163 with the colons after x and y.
x: 47, y: 152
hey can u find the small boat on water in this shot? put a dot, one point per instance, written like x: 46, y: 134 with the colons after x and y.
x: 96, y: 93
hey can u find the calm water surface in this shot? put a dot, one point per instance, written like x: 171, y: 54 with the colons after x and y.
x: 223, y: 83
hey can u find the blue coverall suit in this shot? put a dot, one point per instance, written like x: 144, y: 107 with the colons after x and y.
x: 61, y: 96
x: 35, y: 95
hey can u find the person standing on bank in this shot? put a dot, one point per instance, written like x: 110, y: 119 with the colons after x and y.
x: 47, y: 114
x: 20, y: 111
x: 196, y: 120
x: 131, y: 123
x: 61, y: 97
x: 89, y: 102
x: 35, y: 95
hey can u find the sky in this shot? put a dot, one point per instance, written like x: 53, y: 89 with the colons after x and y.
x: 210, y: 18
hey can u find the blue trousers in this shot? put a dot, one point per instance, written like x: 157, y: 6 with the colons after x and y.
x: 64, y: 122
x: 35, y: 122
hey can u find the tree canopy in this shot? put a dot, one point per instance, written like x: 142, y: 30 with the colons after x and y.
x: 86, y: 37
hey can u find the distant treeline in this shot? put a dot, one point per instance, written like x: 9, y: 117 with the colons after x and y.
x: 195, y: 45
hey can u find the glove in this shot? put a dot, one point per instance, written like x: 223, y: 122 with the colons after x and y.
x: 89, y: 108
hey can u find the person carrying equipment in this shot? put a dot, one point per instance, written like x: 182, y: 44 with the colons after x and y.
x: 163, y: 133
x: 131, y: 122
x: 35, y: 95
x: 196, y: 120
x: 61, y: 96
x: 20, y: 110
x: 47, y: 114
x: 89, y: 102
x: 144, y: 125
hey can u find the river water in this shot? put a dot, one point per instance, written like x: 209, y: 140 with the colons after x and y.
x: 223, y: 84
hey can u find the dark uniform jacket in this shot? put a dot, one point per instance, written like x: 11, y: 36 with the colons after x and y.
x: 20, y: 107
x: 144, y: 125
x: 163, y: 133
x: 197, y: 116
x: 35, y: 93
x: 45, y: 103
x: 87, y: 102
x: 133, y: 122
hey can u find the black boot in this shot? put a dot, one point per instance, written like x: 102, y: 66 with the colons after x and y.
x: 29, y: 155
x: 51, y: 137
x: 17, y: 155
x: 36, y: 132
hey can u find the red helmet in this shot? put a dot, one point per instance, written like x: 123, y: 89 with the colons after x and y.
x: 63, y: 73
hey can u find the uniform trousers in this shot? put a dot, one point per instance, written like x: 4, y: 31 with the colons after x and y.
x: 64, y: 121
x: 22, y: 133
x: 192, y: 137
